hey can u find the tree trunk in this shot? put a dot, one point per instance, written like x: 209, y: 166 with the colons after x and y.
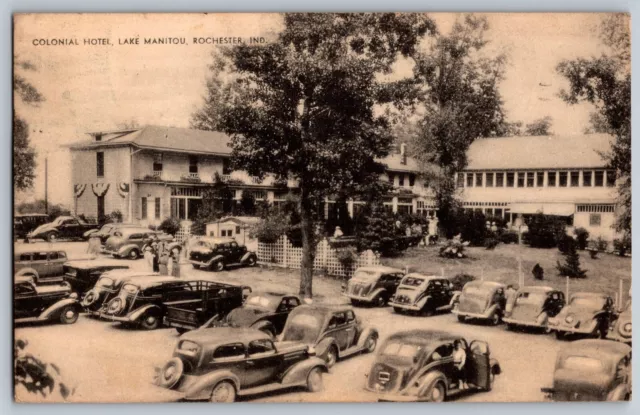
x: 308, y: 243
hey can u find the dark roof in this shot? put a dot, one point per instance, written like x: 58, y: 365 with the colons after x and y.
x: 212, y: 337
x: 424, y: 336
x: 96, y: 263
x: 493, y: 284
x: 596, y: 347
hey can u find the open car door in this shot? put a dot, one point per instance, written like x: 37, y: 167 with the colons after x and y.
x: 479, y: 370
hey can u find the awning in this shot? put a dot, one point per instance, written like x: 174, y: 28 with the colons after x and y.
x: 556, y: 209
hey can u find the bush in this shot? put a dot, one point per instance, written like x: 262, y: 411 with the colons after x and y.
x: 491, y: 243
x: 509, y: 237
x: 376, y: 230
x: 170, y: 226
x: 582, y: 235
x: 545, y: 231
x: 460, y: 280
x: 453, y: 248
x: 571, y: 267
x: 347, y: 257
x: 622, y: 246
x: 271, y: 228
x: 564, y: 242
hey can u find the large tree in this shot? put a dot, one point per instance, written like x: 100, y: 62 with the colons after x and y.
x: 314, y: 105
x: 541, y: 126
x: 462, y: 103
x: 605, y: 81
x: 24, y: 156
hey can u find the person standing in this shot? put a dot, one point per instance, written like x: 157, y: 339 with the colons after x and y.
x: 156, y: 257
x: 163, y: 264
x: 459, y: 360
x: 175, y: 262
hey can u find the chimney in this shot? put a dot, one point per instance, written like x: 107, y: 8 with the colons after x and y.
x: 403, y: 153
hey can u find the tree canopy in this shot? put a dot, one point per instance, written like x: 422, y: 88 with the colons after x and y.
x: 541, y: 126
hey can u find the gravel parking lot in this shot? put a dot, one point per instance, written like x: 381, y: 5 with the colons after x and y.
x: 108, y: 363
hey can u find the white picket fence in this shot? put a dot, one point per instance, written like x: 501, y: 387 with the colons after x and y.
x: 283, y: 254
x: 185, y: 231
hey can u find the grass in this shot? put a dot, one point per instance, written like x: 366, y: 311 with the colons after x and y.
x: 501, y: 264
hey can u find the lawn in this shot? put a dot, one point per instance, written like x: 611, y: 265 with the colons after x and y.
x: 501, y: 264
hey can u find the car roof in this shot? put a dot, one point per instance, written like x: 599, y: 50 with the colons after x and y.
x: 596, y: 348
x: 25, y: 215
x: 213, y: 337
x: 96, y: 263
x: 324, y: 308
x: 589, y: 294
x: 214, y: 240
x: 537, y: 289
x: 30, y: 249
x: 380, y: 269
x: 425, y: 277
x: 425, y: 337
x: 492, y: 284
x: 144, y: 282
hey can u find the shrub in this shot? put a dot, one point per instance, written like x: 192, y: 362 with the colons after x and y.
x: 491, y: 243
x: 509, y: 237
x: 170, y: 226
x: 453, y: 248
x: 545, y: 231
x: 460, y: 280
x: 582, y: 235
x: 564, y: 241
x: 271, y: 228
x: 376, y: 230
x: 347, y: 257
x: 571, y: 267
x: 622, y: 245
x: 35, y: 376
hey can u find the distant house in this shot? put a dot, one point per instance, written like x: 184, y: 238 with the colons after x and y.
x: 237, y: 227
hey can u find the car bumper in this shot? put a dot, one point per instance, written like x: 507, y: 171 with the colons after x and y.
x: 109, y: 252
x: 565, y: 329
x: 364, y: 299
x: 457, y: 312
x: 199, y: 263
x: 392, y: 397
x: 522, y: 323
x: 618, y: 337
x: 115, y: 318
x: 406, y: 306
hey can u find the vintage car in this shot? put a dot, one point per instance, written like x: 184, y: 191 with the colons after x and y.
x: 218, y: 253
x: 215, y: 304
x: 422, y: 293
x: 585, y: 313
x: 220, y: 364
x: 592, y: 370
x: 106, y: 231
x: 108, y: 286
x: 266, y: 311
x: 621, y: 325
x: 41, y: 265
x: 417, y: 366
x: 82, y: 275
x: 33, y: 303
x: 62, y: 227
x: 533, y: 306
x: 373, y: 285
x: 129, y: 242
x: 333, y: 330
x: 23, y: 223
x: 143, y: 301
x: 481, y: 300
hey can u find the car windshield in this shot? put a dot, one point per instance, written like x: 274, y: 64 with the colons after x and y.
x: 129, y: 288
x: 58, y: 221
x: 369, y: 276
x: 402, y: 350
x: 478, y: 291
x: 529, y: 298
x: 303, y: 327
x: 412, y: 281
x: 263, y: 301
x: 583, y: 364
x: 203, y: 244
x: 105, y: 282
x: 587, y: 302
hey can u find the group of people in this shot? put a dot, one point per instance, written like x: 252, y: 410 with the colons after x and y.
x: 161, y: 259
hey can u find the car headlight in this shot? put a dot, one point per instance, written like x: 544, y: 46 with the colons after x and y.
x: 311, y: 350
x: 115, y: 306
x: 569, y: 319
x: 73, y: 296
x: 627, y: 327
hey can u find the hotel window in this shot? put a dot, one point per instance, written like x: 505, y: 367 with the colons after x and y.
x: 157, y: 162
x: 478, y: 179
x: 586, y: 178
x: 539, y: 178
x: 100, y: 164
x: 226, y: 166
x: 489, y: 180
x: 562, y: 179
x: 530, y: 179
x: 510, y: 179
x: 412, y: 180
x: 497, y: 212
x: 193, y: 164
x: 391, y: 178
x: 143, y: 208
x: 460, y: 179
x: 520, y: 179
x: 595, y: 219
x: 551, y: 177
x: 575, y: 178
x: 157, y: 208
x: 469, y: 179
x: 499, y: 179
x: 599, y: 179
x: 611, y: 178
x: 401, y: 179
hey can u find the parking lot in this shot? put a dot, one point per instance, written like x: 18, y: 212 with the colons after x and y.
x: 109, y: 363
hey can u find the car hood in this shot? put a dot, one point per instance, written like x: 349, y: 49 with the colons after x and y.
x: 569, y: 380
x: 43, y: 228
x: 412, y: 294
x: 200, y: 250
x: 114, y: 242
x: 578, y: 314
x: 525, y: 312
x: 245, y: 316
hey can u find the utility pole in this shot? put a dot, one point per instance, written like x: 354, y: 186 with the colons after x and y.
x: 46, y: 185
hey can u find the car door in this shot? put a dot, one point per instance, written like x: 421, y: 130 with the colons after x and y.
x: 336, y: 329
x: 56, y: 261
x: 24, y: 301
x: 40, y: 263
x: 394, y: 282
x: 232, y: 357
x: 263, y: 363
x: 478, y: 366
x: 70, y: 228
x: 434, y: 289
x: 22, y: 261
x: 279, y: 318
x: 234, y: 252
x: 351, y: 328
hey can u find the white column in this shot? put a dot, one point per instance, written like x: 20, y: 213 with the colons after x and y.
x: 395, y: 204
x: 350, y: 207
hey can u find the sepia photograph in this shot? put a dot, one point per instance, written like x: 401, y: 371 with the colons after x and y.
x: 321, y: 207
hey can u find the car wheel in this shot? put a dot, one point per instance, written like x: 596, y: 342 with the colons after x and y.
x: 371, y: 343
x: 134, y: 254
x: 150, y: 321
x: 69, y: 315
x: 252, y: 261
x: 196, y: 266
x: 52, y: 237
x: 171, y: 373
x: 331, y: 357
x: 461, y: 319
x: 355, y: 303
x: 381, y: 301
x: 495, y: 319
x: 314, y: 380
x: 397, y: 310
x: 218, y: 266
x: 437, y: 393
x: 559, y: 335
x: 223, y: 392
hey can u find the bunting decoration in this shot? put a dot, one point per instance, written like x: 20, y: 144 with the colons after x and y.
x: 78, y: 189
x: 100, y: 189
x: 123, y: 189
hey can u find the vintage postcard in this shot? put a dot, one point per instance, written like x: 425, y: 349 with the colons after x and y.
x: 320, y: 207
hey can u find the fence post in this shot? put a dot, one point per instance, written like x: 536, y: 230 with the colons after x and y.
x: 325, y: 248
x: 284, y: 250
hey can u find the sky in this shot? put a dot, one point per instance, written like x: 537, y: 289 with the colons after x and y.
x: 100, y: 87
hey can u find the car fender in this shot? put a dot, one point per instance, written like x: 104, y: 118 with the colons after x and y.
x: 542, y: 319
x: 88, y: 233
x: 619, y: 393
x: 28, y: 271
x: 366, y: 333
x: 323, y: 346
x: 298, y: 373
x: 491, y: 310
x: 455, y: 299
x: 421, y: 302
x: 173, y: 245
x: 215, y: 259
x: 56, y: 308
x: 201, y: 388
x: 262, y: 324
x: 125, y: 249
x: 135, y: 315
x: 430, y: 379
x: 248, y: 255
x: 377, y: 292
x: 495, y: 366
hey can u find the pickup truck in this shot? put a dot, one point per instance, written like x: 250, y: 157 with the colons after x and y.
x: 62, y: 227
x: 217, y: 299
